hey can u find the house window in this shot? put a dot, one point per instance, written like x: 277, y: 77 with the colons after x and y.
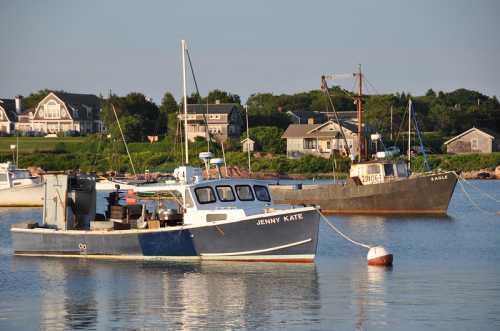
x: 52, y: 109
x: 310, y: 143
x: 474, y: 144
x: 328, y: 145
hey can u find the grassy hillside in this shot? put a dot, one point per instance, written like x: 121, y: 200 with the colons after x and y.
x: 40, y: 144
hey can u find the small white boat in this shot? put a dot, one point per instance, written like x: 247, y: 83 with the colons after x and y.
x: 18, y: 188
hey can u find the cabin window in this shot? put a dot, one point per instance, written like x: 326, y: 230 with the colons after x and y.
x: 244, y: 192
x: 401, y: 167
x: 389, y: 169
x: 225, y: 193
x: 205, y: 194
x: 372, y: 169
x: 262, y: 193
x: 3, y: 177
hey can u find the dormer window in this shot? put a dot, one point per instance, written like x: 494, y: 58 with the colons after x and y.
x: 52, y: 110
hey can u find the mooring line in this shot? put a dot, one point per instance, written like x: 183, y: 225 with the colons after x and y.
x: 342, y: 234
x: 478, y: 189
x: 474, y: 203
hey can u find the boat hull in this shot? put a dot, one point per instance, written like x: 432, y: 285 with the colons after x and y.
x: 25, y: 196
x: 286, y: 237
x: 424, y: 194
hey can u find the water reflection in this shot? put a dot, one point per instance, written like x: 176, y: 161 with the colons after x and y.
x: 78, y: 294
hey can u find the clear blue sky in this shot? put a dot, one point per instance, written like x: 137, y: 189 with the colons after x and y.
x: 246, y: 47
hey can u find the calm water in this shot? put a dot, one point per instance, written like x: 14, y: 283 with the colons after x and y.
x: 446, y: 277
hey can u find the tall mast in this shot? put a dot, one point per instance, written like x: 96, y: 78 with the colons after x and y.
x: 248, y: 142
x: 183, y: 46
x: 391, y: 122
x: 359, y: 105
x: 409, y: 133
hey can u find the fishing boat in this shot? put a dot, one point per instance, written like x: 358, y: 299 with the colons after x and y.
x: 211, y: 219
x: 375, y: 187
x: 18, y: 188
x: 379, y: 186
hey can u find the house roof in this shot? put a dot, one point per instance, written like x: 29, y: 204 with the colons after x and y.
x: 489, y: 133
x: 9, y: 105
x: 79, y: 99
x: 78, y: 104
x: 303, y: 115
x: 310, y: 130
x: 222, y: 108
x: 249, y: 139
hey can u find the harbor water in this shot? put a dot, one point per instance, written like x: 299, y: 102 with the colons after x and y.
x: 446, y: 276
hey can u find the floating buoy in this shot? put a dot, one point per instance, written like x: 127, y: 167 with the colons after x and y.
x: 379, y: 256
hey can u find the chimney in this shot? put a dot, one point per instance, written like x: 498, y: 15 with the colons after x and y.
x: 18, y: 100
x: 310, y: 120
x: 217, y: 102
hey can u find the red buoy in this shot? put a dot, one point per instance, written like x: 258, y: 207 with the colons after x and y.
x: 379, y: 256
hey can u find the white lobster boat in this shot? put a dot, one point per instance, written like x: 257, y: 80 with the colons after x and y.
x: 18, y: 188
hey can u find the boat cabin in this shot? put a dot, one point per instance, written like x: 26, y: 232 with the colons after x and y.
x: 380, y: 171
x: 10, y: 176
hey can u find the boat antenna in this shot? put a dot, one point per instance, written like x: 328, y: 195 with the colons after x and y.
x: 183, y: 46
x: 124, y: 141
x: 409, y: 132
x: 224, y: 157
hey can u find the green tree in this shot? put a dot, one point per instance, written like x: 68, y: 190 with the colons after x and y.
x: 267, y: 139
x: 168, y: 113
x: 138, y: 116
x: 222, y: 97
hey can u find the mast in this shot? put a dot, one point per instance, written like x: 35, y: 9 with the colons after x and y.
x: 359, y: 104
x: 183, y: 46
x: 391, y: 122
x: 409, y: 133
x: 248, y: 142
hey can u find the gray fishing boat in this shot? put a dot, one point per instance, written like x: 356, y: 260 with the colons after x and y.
x: 375, y: 187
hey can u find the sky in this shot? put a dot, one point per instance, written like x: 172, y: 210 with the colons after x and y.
x: 246, y: 47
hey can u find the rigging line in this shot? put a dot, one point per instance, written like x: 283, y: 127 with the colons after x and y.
x: 325, y: 86
x: 342, y: 234
x: 426, y: 163
x: 200, y: 101
x: 97, y: 152
x: 124, y: 142
x: 371, y: 85
x: 400, y: 127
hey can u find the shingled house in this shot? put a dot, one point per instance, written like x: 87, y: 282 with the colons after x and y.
x: 474, y: 140
x: 62, y: 112
x: 319, y: 139
x: 224, y: 121
x: 9, y: 109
